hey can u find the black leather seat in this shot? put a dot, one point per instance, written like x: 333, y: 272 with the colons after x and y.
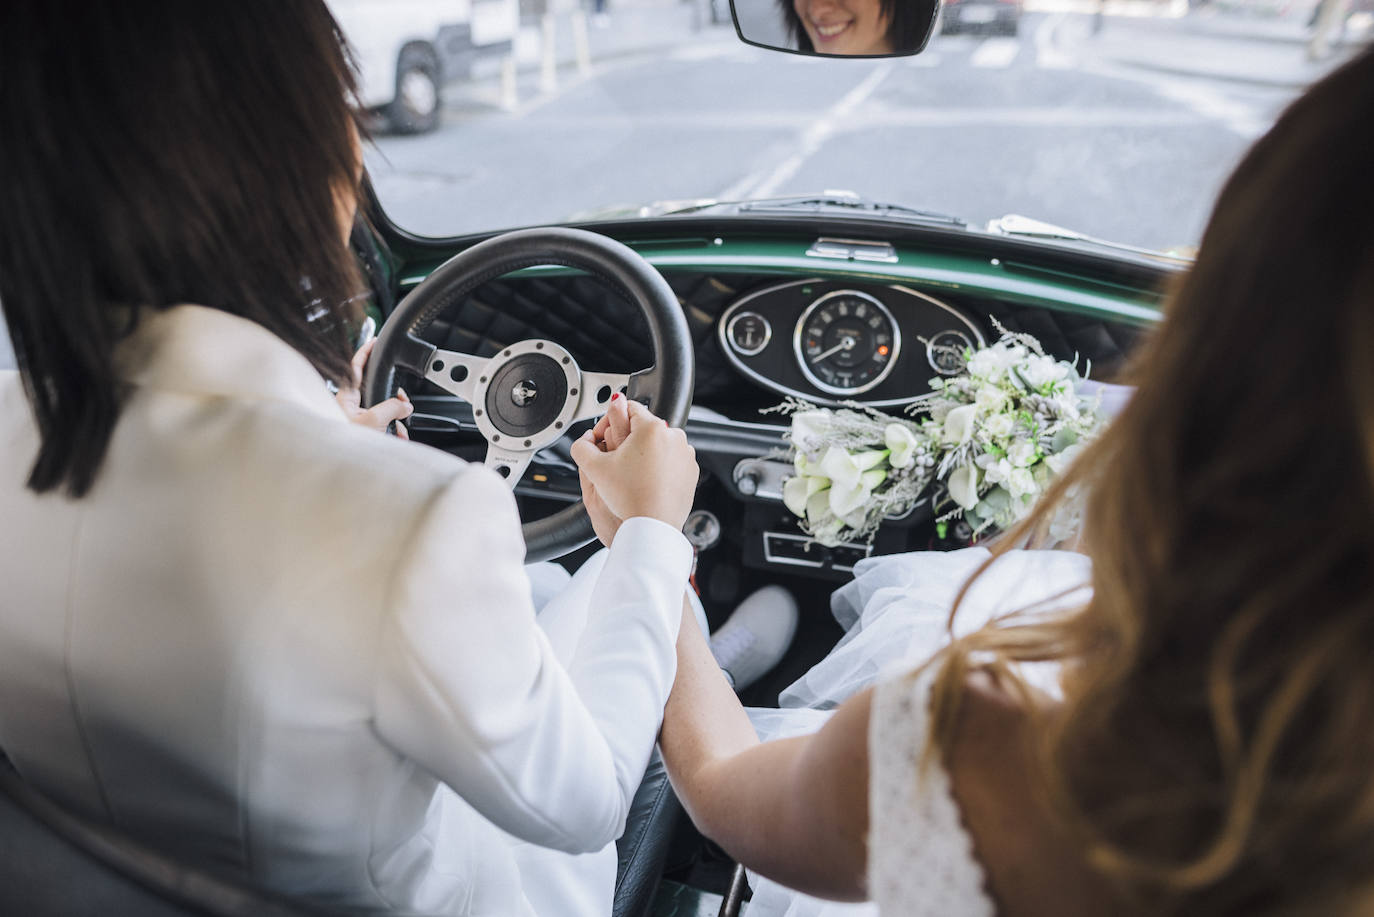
x: 55, y: 865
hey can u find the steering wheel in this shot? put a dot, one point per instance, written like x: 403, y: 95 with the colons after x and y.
x: 527, y: 396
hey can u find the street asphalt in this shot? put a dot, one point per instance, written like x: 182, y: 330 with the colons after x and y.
x: 1041, y: 124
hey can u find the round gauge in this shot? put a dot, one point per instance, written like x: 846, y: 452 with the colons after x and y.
x: 847, y: 342
x: 748, y: 333
x: 946, y: 352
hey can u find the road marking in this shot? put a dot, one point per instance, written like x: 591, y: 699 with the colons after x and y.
x: 1048, y: 54
x: 1200, y: 97
x: 811, y: 140
x: 1213, y: 105
x: 996, y: 53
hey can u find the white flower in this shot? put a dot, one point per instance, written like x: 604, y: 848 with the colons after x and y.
x: 992, y: 363
x: 810, y: 429
x: 1021, y: 483
x: 995, y: 469
x: 1022, y: 454
x: 902, y: 444
x: 818, y: 505
x: 990, y: 398
x: 852, y: 478
x: 963, y: 486
x: 794, y: 494
x: 1038, y: 372
x: 999, y: 426
x: 958, y: 428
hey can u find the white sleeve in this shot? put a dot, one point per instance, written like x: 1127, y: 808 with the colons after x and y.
x: 469, y: 688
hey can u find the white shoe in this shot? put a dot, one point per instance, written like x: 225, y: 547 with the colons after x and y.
x: 756, y: 636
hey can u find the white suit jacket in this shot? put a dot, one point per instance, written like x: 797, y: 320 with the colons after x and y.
x: 305, y: 652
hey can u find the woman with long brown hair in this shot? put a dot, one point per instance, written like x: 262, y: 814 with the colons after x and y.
x: 1209, y: 748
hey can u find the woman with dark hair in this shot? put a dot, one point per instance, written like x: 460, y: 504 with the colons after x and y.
x: 858, y: 27
x: 1204, y: 742
x: 237, y: 627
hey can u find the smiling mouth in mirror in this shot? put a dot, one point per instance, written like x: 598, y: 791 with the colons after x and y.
x: 840, y: 28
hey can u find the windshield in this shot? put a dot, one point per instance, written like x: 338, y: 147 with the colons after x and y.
x: 1118, y: 120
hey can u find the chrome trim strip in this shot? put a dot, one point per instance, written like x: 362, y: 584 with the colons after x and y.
x: 794, y: 562
x: 853, y: 250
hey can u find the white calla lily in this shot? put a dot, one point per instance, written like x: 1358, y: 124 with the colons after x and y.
x: 846, y: 499
x: 901, y: 444
x: 963, y: 486
x: 818, y: 505
x: 794, y: 494
x: 958, y: 428
x: 810, y: 429
x: 844, y: 467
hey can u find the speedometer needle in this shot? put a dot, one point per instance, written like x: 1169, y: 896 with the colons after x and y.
x: 846, y: 344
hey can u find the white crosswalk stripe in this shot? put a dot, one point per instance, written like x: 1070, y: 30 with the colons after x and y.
x: 996, y: 53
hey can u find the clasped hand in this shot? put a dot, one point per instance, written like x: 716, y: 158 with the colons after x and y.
x: 633, y: 464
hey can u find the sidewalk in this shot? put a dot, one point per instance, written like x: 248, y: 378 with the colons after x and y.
x: 623, y: 29
x: 1221, y: 45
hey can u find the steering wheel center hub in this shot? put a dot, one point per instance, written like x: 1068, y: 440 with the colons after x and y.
x: 527, y: 395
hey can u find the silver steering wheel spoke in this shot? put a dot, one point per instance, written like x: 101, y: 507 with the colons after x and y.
x: 509, y: 463
x: 455, y: 373
x: 595, y: 396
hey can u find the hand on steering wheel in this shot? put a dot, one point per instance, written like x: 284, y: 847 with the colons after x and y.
x: 527, y: 396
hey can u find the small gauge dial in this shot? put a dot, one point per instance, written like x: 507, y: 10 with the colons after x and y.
x: 847, y: 342
x: 749, y: 333
x: 946, y: 352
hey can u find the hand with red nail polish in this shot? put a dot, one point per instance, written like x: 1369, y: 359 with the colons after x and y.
x: 633, y: 464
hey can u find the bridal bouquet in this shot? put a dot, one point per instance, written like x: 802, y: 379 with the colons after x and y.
x: 995, y: 435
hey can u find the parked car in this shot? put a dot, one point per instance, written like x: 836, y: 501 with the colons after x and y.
x: 407, y: 51
x: 1002, y: 16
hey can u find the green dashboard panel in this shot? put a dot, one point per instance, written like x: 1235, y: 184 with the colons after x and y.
x: 1010, y: 281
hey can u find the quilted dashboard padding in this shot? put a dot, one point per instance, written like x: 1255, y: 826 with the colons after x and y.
x: 1095, y: 344
x: 607, y: 334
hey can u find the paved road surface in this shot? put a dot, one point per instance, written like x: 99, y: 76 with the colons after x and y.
x: 976, y: 126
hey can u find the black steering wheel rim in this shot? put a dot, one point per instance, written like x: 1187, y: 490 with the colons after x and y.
x: 666, y: 387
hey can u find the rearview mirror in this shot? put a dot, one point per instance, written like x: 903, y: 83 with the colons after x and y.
x: 837, y: 28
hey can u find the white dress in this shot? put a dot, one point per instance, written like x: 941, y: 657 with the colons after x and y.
x: 895, y: 613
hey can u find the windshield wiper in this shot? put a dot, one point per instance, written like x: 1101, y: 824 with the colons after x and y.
x: 849, y: 202
x: 1016, y: 225
x: 829, y: 202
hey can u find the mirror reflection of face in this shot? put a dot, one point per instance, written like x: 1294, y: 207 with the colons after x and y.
x: 845, y: 26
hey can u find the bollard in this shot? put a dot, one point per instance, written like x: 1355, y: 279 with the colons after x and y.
x: 581, y: 47
x: 548, y: 64
x: 510, y: 93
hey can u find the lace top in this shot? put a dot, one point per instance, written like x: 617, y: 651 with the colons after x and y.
x: 920, y: 856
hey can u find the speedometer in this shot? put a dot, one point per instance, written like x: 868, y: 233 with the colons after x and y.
x: 847, y: 342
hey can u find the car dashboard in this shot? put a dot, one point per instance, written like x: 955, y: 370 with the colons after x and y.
x: 821, y: 315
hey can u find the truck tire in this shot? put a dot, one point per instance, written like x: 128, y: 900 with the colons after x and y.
x: 419, y: 91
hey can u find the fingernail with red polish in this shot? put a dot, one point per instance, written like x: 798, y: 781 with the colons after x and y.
x: 615, y: 396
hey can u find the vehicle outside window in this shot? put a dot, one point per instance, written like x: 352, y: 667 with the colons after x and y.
x: 407, y: 51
